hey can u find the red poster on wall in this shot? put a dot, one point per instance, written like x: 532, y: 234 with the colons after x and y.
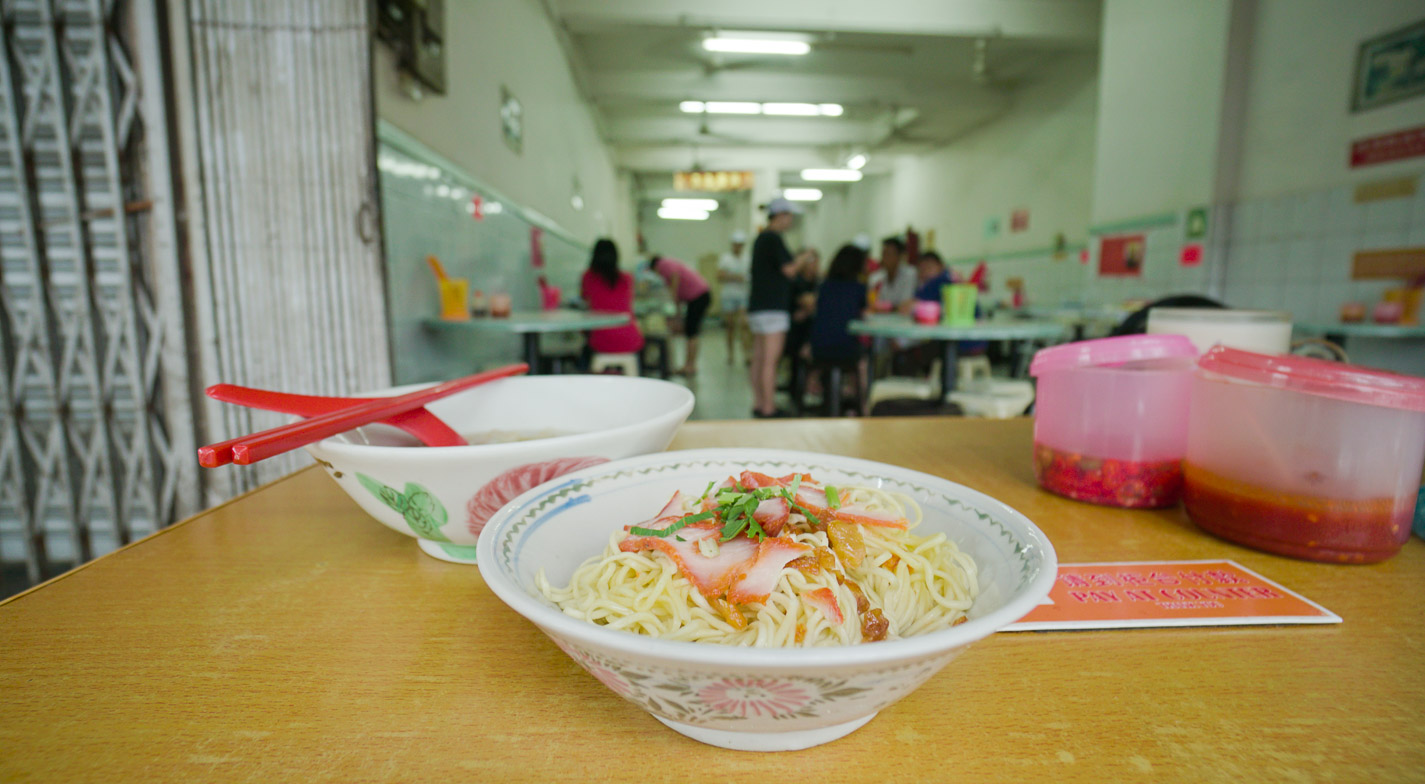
x: 1121, y: 256
x: 1019, y: 220
x: 1396, y: 146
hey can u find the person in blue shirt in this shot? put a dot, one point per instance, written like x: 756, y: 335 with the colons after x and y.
x: 840, y: 300
x: 931, y: 275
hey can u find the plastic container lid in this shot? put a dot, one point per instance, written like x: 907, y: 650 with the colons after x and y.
x: 1107, y: 352
x: 1221, y: 315
x: 1318, y: 377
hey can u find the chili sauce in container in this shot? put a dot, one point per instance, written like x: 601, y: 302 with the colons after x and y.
x: 1302, y: 457
x: 1111, y: 421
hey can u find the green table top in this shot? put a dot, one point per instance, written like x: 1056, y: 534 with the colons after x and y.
x: 562, y: 320
x: 1364, y: 330
x: 896, y: 326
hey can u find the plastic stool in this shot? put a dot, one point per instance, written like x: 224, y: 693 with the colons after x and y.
x: 626, y: 364
x: 995, y: 399
x: 969, y: 370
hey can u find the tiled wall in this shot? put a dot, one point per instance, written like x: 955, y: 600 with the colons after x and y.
x: 1163, y: 273
x: 1293, y: 252
x: 1290, y: 252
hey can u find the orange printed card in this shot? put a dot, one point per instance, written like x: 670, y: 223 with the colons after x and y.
x: 1143, y: 594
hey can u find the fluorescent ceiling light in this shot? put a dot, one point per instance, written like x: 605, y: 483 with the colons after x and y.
x: 757, y: 44
x: 831, y: 175
x: 752, y: 107
x: 733, y: 107
x: 791, y: 109
x: 856, y: 161
x: 802, y: 194
x: 679, y: 213
x: 706, y: 205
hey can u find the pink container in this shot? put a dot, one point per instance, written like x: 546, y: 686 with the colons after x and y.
x: 1302, y: 457
x: 925, y: 312
x: 1111, y: 419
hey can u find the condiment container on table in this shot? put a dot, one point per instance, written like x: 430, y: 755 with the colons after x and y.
x: 1303, y: 457
x: 1267, y: 331
x: 1110, y: 424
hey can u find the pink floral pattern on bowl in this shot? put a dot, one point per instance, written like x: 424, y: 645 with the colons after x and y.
x: 754, y: 697
x: 714, y: 697
x: 495, y: 493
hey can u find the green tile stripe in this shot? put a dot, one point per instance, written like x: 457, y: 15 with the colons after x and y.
x: 1133, y: 224
x: 1033, y: 253
x: 387, y: 133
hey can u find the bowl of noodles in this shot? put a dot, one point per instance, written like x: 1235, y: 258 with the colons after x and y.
x: 522, y: 431
x: 679, y: 579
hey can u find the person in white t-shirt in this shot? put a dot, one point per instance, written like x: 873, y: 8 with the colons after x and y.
x: 732, y: 272
x: 897, y: 278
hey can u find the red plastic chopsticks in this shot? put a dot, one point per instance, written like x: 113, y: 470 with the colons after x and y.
x: 425, y: 426
x: 260, y: 446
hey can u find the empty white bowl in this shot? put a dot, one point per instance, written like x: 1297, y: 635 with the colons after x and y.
x: 754, y: 699
x: 443, y: 495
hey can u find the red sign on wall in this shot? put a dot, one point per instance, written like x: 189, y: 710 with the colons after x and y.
x: 1121, y: 256
x: 1388, y: 147
x: 1190, y: 255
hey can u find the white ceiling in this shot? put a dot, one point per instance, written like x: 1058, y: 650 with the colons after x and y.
x: 905, y: 70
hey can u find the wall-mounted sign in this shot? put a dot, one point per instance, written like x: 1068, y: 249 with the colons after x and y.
x: 1121, y: 256
x: 1388, y: 147
x: 1190, y: 255
x: 714, y: 181
x: 1019, y: 220
x: 991, y: 227
x: 1390, y: 68
x: 512, y: 119
x: 1195, y: 227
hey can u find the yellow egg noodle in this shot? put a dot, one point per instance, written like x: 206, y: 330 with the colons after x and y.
x: 920, y: 584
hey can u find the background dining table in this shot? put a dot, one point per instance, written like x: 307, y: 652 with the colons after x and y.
x: 530, y: 324
x: 286, y: 636
x: 947, y: 336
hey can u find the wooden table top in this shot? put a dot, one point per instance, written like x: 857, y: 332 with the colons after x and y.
x: 286, y: 636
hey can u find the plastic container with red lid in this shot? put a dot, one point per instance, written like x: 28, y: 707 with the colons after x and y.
x: 1303, y: 457
x: 1110, y: 421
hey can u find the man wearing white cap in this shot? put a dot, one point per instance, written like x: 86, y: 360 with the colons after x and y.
x: 732, y: 275
x: 768, y: 303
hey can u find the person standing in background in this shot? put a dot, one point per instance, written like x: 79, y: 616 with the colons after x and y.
x: 605, y: 287
x: 692, y: 292
x: 767, y: 303
x: 732, y: 269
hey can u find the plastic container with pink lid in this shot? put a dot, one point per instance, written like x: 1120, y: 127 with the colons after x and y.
x: 1303, y: 457
x: 1110, y: 422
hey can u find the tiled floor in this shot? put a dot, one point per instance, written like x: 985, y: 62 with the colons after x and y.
x: 723, y: 390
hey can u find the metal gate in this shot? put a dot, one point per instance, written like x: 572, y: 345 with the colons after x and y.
x: 88, y: 460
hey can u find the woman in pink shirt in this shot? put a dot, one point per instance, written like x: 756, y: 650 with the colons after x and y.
x: 691, y: 290
x: 606, y: 288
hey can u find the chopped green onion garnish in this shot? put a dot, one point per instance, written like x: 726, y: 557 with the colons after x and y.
x: 704, y: 496
x: 833, y: 500
x: 683, y: 523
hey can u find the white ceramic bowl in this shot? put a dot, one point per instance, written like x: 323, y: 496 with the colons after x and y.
x: 749, y: 698
x: 443, y: 495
